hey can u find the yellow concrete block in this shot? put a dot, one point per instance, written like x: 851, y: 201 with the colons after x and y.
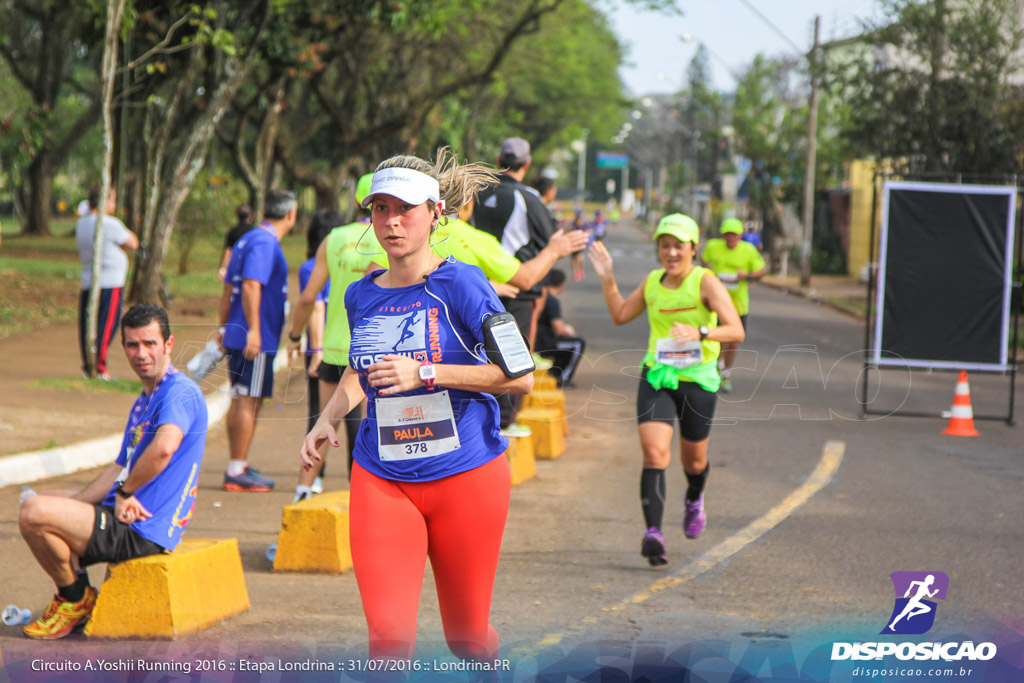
x: 548, y: 434
x: 542, y: 381
x: 314, y: 535
x: 520, y: 459
x: 549, y: 398
x: 171, y: 595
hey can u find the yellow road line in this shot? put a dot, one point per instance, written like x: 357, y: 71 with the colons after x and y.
x: 831, y: 457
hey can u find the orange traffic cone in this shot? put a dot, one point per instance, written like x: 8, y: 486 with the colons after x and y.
x: 961, y: 420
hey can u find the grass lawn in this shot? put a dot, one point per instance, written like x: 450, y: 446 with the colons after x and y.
x: 92, y: 386
x: 40, y: 276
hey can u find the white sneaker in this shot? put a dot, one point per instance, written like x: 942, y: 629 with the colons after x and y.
x: 317, y: 486
x: 516, y: 430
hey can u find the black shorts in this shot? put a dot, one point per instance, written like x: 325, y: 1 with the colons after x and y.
x: 253, y: 378
x: 114, y: 541
x: 330, y: 373
x: 691, y: 404
x: 743, y: 321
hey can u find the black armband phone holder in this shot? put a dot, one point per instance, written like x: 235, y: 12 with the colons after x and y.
x: 505, y: 346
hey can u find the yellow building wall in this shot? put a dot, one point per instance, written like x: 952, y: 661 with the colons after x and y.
x: 862, y: 173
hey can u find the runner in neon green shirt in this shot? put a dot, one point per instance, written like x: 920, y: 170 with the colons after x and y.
x: 456, y: 238
x: 736, y: 263
x: 347, y: 254
x: 690, y: 315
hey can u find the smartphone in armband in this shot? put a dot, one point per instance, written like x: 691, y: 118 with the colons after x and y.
x: 506, y: 347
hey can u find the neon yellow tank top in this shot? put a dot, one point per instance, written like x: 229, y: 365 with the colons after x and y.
x: 350, y: 250
x: 683, y: 305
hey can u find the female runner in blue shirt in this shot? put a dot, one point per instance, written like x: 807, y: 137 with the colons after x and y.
x: 429, y: 479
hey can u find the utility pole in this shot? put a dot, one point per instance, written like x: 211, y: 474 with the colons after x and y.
x: 812, y: 140
x: 625, y: 184
x: 694, y: 149
x: 581, y: 169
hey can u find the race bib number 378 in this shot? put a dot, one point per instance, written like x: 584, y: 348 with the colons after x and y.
x: 411, y: 427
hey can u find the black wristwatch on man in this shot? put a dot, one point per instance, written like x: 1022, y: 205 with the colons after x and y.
x: 121, y: 492
x: 704, y: 332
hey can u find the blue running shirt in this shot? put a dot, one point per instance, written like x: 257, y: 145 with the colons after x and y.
x: 306, y: 272
x: 258, y: 256
x: 410, y: 322
x: 171, y: 495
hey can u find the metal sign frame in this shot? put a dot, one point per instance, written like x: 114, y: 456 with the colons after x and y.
x: 873, y: 358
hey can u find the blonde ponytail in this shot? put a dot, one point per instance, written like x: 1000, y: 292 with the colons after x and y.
x: 459, y: 183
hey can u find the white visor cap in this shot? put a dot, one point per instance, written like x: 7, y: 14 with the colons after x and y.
x: 412, y: 187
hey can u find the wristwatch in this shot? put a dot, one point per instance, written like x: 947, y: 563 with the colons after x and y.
x: 121, y: 492
x: 294, y: 339
x: 428, y: 373
x: 704, y: 332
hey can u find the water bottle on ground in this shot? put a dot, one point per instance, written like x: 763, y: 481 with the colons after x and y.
x: 26, y: 493
x: 14, y: 615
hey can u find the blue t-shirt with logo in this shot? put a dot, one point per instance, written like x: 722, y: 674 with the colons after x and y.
x: 171, y: 495
x: 425, y: 321
x: 258, y: 256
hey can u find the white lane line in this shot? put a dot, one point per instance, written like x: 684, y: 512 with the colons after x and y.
x: 828, y: 464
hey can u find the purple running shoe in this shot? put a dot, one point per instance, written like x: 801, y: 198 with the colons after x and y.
x: 653, y: 548
x: 695, y: 518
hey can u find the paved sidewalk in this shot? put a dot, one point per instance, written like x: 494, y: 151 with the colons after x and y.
x: 841, y: 292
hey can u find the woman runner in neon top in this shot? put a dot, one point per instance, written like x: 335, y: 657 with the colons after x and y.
x: 690, y: 314
x: 429, y: 478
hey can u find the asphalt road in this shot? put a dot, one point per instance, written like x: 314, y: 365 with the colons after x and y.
x: 810, y: 508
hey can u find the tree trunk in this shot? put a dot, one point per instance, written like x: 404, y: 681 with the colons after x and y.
x: 328, y: 198
x: 182, y: 164
x: 37, y: 212
x: 185, y: 254
x: 115, y: 11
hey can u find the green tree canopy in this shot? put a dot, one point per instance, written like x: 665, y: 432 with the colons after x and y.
x: 942, y: 92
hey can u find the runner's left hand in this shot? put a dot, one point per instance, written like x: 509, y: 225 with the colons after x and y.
x: 682, y: 332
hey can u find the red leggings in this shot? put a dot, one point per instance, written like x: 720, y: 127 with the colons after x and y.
x: 458, y: 522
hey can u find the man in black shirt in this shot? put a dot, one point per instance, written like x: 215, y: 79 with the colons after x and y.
x: 515, y: 214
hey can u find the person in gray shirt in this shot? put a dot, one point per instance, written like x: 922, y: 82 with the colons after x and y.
x: 113, y: 270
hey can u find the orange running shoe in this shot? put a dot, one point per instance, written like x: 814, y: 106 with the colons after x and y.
x: 62, y: 617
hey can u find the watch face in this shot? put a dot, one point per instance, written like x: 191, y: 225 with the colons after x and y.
x: 427, y: 372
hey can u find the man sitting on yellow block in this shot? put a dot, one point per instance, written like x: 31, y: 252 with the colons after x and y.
x: 736, y: 263
x: 140, y: 504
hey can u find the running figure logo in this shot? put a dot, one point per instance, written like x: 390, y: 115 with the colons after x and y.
x: 914, y: 612
x: 391, y: 334
x: 409, y: 329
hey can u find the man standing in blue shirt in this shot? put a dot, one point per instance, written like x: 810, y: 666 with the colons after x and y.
x: 140, y: 504
x: 252, y: 313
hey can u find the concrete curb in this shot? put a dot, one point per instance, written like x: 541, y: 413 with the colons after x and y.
x: 23, y: 468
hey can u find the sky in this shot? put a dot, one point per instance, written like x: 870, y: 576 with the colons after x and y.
x: 657, y: 57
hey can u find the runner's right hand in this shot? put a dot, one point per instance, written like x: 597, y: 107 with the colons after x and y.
x: 601, y: 260
x: 309, y: 453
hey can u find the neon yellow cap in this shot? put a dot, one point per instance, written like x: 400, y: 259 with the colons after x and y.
x: 680, y: 226
x: 733, y: 225
x: 363, y: 188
